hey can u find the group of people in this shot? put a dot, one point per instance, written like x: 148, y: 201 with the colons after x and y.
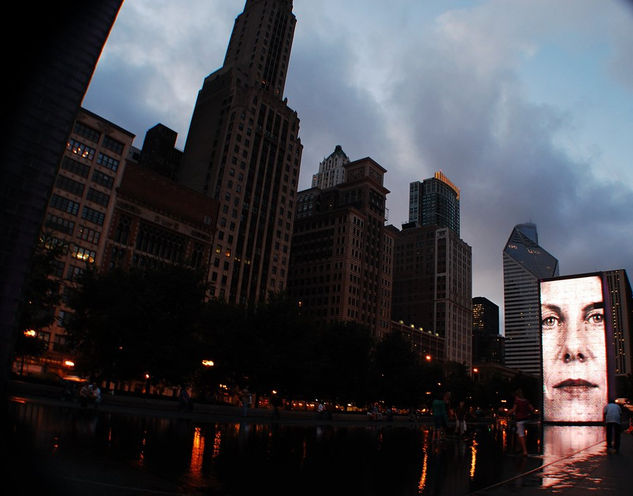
x: 442, y: 410
x: 90, y: 393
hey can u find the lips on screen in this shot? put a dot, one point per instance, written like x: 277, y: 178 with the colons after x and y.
x: 574, y: 349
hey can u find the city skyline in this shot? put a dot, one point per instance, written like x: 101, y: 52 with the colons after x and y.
x: 474, y: 89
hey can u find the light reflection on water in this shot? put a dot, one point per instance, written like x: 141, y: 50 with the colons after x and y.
x: 243, y: 458
x: 567, y: 449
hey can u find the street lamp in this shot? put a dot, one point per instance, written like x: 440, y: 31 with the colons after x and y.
x: 208, y: 363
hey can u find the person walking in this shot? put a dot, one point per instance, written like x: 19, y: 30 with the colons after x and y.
x: 439, y: 408
x: 521, y: 410
x: 612, y: 418
x: 460, y: 418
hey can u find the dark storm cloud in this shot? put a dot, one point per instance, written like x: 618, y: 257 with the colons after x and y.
x: 501, y: 151
x: 336, y: 112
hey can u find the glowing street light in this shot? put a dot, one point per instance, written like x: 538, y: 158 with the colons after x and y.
x: 69, y: 363
x: 208, y: 363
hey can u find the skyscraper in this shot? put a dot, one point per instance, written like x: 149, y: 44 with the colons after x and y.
x: 432, y: 286
x: 524, y: 263
x: 342, y: 253
x: 487, y: 342
x: 243, y: 149
x: 331, y: 169
x: 434, y: 202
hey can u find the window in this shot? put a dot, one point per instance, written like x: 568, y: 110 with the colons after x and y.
x: 113, y: 145
x: 69, y: 185
x: 84, y: 254
x: 103, y: 179
x: 60, y: 224
x: 74, y: 272
x: 75, y: 167
x: 108, y: 162
x: 86, y: 132
x: 98, y: 197
x: 89, y: 235
x: 64, y: 204
x: 81, y: 149
x: 92, y: 215
x: 122, y: 231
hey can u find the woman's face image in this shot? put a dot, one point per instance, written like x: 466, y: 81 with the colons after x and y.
x: 574, y: 350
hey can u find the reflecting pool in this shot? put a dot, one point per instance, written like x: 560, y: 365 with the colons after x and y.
x: 80, y: 452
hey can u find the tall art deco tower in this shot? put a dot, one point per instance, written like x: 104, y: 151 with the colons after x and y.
x: 243, y: 149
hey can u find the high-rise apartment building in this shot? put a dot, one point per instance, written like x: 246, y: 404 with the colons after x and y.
x: 243, y: 149
x: 52, y: 58
x: 524, y: 263
x: 432, y: 286
x: 341, y: 263
x: 434, y: 202
x: 331, y: 170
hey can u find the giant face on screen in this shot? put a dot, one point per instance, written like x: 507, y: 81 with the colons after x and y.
x: 574, y: 349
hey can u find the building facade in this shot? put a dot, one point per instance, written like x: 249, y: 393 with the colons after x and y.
x: 432, y: 286
x: 331, y: 170
x: 524, y: 263
x: 434, y: 202
x: 488, y: 344
x: 157, y: 222
x: 426, y: 344
x: 243, y: 149
x: 621, y: 303
x: 341, y: 261
x: 80, y: 209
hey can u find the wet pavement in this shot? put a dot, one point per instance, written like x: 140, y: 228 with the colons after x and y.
x: 143, y: 447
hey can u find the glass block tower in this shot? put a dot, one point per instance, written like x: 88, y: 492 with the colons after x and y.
x: 243, y: 149
x: 524, y: 263
x: 434, y: 202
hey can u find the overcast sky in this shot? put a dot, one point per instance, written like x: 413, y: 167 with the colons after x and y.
x: 526, y: 105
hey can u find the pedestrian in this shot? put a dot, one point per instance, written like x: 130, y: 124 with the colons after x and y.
x: 460, y: 418
x: 276, y: 402
x: 521, y: 410
x: 246, y: 400
x: 184, y: 400
x: 440, y: 417
x: 612, y: 418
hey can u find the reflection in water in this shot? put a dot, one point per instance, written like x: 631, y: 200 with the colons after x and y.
x: 197, y: 452
x: 566, y: 446
x: 473, y: 459
x: 397, y: 459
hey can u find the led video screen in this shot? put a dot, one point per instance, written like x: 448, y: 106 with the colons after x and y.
x: 574, y: 349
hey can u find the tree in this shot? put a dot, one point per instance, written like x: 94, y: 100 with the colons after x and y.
x: 340, y: 362
x: 40, y: 298
x: 143, y: 321
x: 398, y: 373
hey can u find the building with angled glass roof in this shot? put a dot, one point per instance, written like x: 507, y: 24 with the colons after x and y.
x: 524, y: 263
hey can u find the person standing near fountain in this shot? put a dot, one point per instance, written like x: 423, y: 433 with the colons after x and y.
x: 612, y: 419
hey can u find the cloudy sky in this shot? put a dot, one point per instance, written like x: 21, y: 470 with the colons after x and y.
x: 526, y: 105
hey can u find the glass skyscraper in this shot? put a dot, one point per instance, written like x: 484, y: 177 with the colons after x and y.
x: 434, y: 202
x: 524, y: 263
